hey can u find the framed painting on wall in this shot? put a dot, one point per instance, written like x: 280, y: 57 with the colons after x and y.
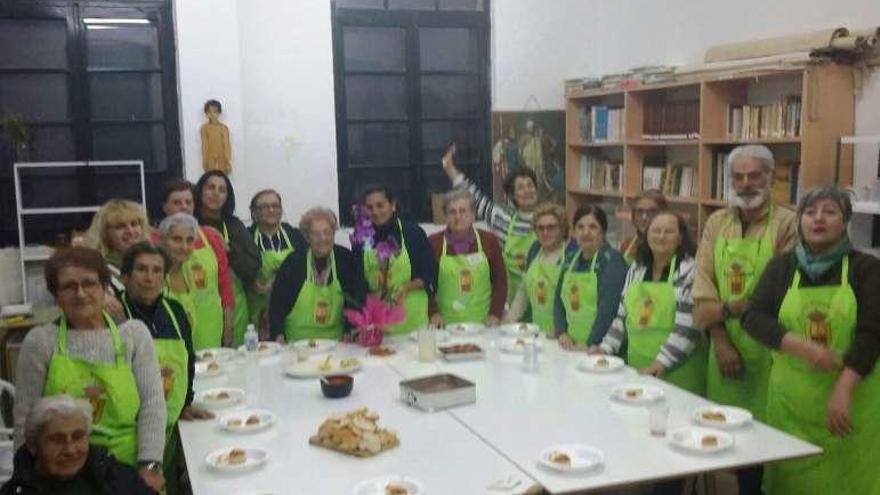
x: 534, y: 139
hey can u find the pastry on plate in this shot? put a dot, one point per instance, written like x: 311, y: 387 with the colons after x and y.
x: 395, y: 489
x: 558, y: 457
x: 715, y: 416
x: 709, y: 441
x: 235, y: 457
x: 634, y: 393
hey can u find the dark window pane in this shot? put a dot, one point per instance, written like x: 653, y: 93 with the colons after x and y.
x: 37, y: 97
x: 371, y: 145
x: 372, y: 48
x: 450, y: 96
x: 398, y: 180
x: 131, y: 142
x: 461, y: 4
x: 33, y: 44
x: 126, y: 96
x: 78, y: 186
x: 360, y: 4
x: 467, y: 136
x: 447, y: 49
x: 411, y: 4
x: 375, y: 97
x: 122, y: 46
x: 52, y: 144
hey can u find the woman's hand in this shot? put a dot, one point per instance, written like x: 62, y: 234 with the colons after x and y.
x: 565, y: 342
x: 729, y: 360
x: 594, y: 349
x: 840, y: 404
x: 153, y: 479
x: 654, y: 369
x: 448, y: 162
x: 436, y: 320
x: 400, y: 295
x: 822, y: 358
x: 262, y: 288
x: 191, y: 413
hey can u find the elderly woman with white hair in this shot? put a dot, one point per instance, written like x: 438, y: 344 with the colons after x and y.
x: 194, y: 285
x: 57, y: 456
x: 818, y: 309
x: 313, y: 285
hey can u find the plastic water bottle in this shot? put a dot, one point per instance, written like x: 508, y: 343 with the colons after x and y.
x: 251, y: 339
x: 530, y: 356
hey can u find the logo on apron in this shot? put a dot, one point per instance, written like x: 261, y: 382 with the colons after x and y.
x: 199, y: 276
x: 646, y: 311
x: 574, y: 298
x: 465, y: 281
x: 95, y: 395
x: 520, y: 258
x: 818, y: 328
x: 541, y: 292
x: 322, y: 312
x: 737, y: 272
x: 167, y: 380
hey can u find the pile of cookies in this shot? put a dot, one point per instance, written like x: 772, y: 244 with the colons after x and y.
x: 355, y: 433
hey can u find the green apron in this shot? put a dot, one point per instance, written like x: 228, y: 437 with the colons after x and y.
x: 629, y: 254
x: 202, y: 301
x: 798, y: 398
x: 738, y: 266
x: 110, y: 388
x: 398, y: 273
x: 464, y: 285
x: 650, y: 319
x: 240, y: 313
x: 516, y: 248
x: 540, y: 279
x: 317, y: 311
x: 270, y: 263
x: 173, y: 364
x: 580, y: 298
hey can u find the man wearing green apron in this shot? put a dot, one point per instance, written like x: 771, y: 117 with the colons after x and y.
x: 512, y: 223
x: 143, y: 270
x: 737, y: 243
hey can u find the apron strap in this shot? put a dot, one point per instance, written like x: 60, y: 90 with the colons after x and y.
x: 669, y: 279
x: 225, y: 232
x: 170, y: 314
x: 402, y: 239
x: 513, y: 220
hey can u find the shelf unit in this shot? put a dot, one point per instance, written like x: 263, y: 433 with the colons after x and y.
x: 38, y: 253
x: 827, y: 112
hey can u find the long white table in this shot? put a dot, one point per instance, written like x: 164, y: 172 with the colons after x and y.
x: 465, y: 449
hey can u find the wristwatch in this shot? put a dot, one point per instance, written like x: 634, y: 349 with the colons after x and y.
x: 152, y: 466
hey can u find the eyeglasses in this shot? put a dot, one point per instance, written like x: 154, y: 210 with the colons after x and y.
x: 268, y: 207
x: 547, y: 227
x: 645, y: 212
x: 72, y: 287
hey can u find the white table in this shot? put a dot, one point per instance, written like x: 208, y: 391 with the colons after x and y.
x: 463, y: 450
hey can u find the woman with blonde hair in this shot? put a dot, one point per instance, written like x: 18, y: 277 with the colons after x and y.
x: 117, y: 225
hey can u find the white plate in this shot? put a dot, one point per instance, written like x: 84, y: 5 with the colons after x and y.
x: 315, y: 346
x: 208, y: 398
x: 690, y: 439
x: 311, y: 367
x: 215, y: 354
x: 255, y: 459
x: 649, y: 393
x: 376, y: 486
x: 583, y: 458
x: 734, y: 417
x: 455, y: 329
x: 264, y: 349
x: 202, y: 370
x: 267, y: 419
x: 439, y: 336
x: 591, y: 364
x: 511, y: 346
x: 520, y: 329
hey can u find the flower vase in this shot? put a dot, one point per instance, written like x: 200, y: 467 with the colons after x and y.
x: 371, y: 335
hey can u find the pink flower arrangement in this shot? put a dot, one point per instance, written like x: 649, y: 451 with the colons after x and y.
x: 372, y: 319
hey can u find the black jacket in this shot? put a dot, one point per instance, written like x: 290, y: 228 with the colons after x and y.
x: 102, y: 472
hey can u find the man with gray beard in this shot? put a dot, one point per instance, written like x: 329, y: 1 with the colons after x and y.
x: 736, y: 245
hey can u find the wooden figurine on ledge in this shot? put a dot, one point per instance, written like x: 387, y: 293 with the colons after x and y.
x: 216, y: 150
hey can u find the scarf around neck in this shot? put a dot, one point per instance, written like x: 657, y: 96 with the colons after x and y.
x: 816, y: 265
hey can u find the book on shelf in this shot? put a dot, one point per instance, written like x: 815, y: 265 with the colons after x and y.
x: 675, y: 120
x: 678, y: 180
x: 721, y: 178
x: 600, y: 123
x: 777, y: 120
x: 785, y: 183
x: 652, y: 174
x: 600, y: 174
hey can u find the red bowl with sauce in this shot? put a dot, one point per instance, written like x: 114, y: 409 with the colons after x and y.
x: 336, y: 386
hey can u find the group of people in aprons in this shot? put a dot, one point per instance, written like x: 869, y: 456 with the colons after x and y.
x: 771, y: 310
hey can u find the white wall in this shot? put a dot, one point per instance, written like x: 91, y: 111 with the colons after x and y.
x: 270, y: 63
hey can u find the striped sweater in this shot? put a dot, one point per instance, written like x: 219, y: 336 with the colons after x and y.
x: 684, y: 337
x: 496, y: 215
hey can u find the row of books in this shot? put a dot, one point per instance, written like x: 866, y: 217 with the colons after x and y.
x: 777, y: 120
x: 600, y: 174
x: 600, y: 123
x: 672, y: 179
x: 675, y: 120
x: 785, y: 188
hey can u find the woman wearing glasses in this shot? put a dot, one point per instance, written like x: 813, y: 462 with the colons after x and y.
x: 645, y: 206
x: 275, y: 240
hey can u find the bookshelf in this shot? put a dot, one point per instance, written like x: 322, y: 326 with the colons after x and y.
x: 686, y: 127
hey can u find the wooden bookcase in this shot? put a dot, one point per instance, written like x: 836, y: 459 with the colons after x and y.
x: 827, y: 107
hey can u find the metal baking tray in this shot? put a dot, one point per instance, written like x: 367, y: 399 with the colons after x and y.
x: 436, y: 392
x: 477, y: 353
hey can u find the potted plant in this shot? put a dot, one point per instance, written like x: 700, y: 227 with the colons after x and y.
x: 18, y: 133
